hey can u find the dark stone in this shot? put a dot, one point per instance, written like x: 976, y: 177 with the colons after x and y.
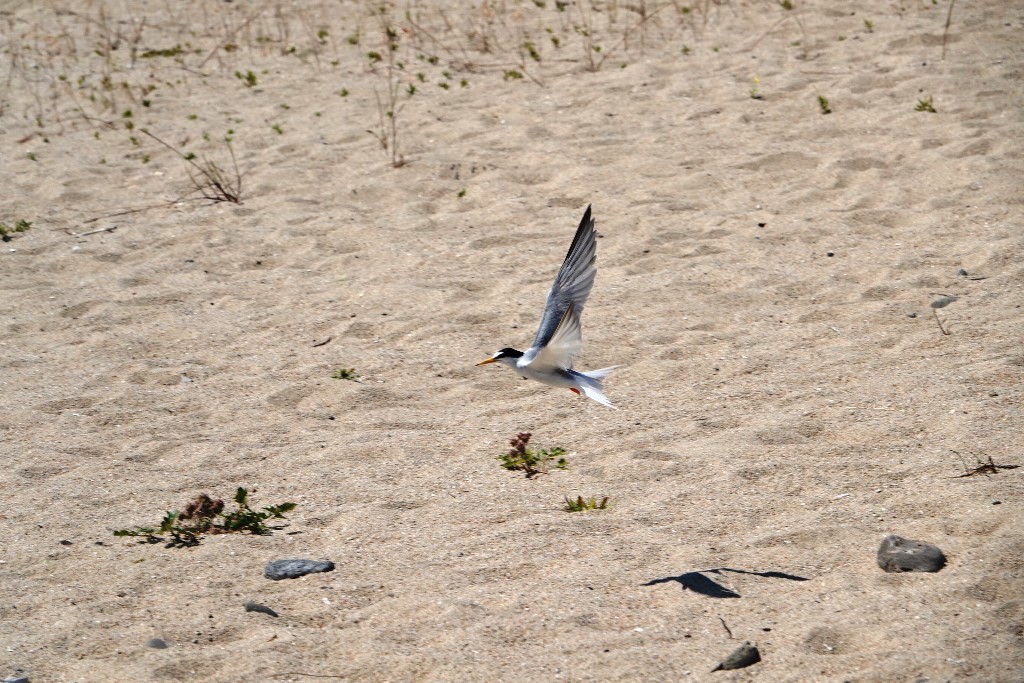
x: 293, y: 569
x: 742, y: 657
x: 898, y: 554
x: 257, y: 607
x: 157, y: 643
x: 943, y: 301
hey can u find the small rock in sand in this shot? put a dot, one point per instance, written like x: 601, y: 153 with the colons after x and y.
x: 898, y: 554
x: 293, y: 569
x: 743, y: 656
x: 157, y: 643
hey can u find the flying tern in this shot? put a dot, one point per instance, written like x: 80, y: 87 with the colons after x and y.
x: 560, y: 335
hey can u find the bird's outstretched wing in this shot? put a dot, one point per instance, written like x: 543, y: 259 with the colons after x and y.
x: 560, y: 325
x: 565, y: 343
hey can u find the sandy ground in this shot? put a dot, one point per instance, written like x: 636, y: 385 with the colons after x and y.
x: 765, y: 275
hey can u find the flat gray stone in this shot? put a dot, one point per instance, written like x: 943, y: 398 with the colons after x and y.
x: 293, y: 569
x: 157, y: 643
x: 897, y: 554
x: 740, y: 658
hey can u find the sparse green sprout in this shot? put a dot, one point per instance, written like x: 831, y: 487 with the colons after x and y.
x: 190, y: 156
x: 167, y: 52
x: 464, y: 83
x: 513, y: 75
x: 204, y: 515
x: 277, y: 128
x: 248, y: 78
x: 444, y: 85
x: 411, y: 90
x: 146, y: 103
x: 345, y: 373
x: 7, y: 232
x: 531, y: 49
x: 353, y: 39
x: 462, y: 193
x: 145, y: 158
x: 285, y: 106
x: 193, y: 117
x: 374, y: 56
x: 869, y: 25
x: 556, y: 41
x: 322, y: 35
x: 532, y: 461
x: 925, y: 105
x: 127, y: 114
x: 686, y: 49
x: 786, y: 4
x: 581, y: 504
x: 343, y: 92
x: 824, y: 105
x: 31, y: 156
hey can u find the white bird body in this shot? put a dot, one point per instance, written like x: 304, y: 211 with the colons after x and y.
x: 560, y: 335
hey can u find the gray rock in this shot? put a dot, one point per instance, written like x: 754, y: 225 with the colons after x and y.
x: 898, y: 554
x: 742, y: 657
x: 157, y: 643
x: 944, y: 301
x: 257, y: 607
x: 293, y: 569
x: 18, y: 677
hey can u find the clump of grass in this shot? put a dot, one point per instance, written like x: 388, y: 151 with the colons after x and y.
x: 204, y: 515
x: 532, y: 461
x: 513, y: 75
x: 823, y: 104
x: 7, y: 232
x: 248, y: 78
x: 925, y: 105
x: 345, y: 373
x: 581, y: 504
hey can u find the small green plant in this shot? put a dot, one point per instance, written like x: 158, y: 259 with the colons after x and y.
x: 462, y: 193
x: 345, y: 373
x: 869, y: 25
x: 248, y: 78
x: 786, y: 4
x: 755, y: 92
x: 7, y: 232
x: 925, y: 105
x: 581, y: 504
x: 343, y: 92
x: 531, y: 49
x: 824, y: 105
x: 531, y: 461
x: 166, y: 52
x: 31, y: 156
x: 277, y: 129
x: 204, y: 515
x: 513, y: 75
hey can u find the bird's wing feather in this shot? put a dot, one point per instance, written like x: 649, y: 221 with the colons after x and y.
x: 565, y: 343
x: 572, y: 286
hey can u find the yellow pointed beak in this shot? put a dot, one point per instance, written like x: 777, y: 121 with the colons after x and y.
x: 485, y: 362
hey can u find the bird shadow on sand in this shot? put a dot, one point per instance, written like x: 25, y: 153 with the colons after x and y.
x: 698, y: 582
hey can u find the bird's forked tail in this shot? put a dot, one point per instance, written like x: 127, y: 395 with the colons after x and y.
x: 592, y: 384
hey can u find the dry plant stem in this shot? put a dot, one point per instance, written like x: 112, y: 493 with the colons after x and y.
x: 211, y: 181
x: 227, y: 39
x: 945, y: 31
x: 936, y: 314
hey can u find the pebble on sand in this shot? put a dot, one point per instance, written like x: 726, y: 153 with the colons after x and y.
x: 293, y: 569
x: 157, y: 643
x: 743, y: 656
x: 897, y: 554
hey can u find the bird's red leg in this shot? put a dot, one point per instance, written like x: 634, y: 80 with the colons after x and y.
x: 574, y: 390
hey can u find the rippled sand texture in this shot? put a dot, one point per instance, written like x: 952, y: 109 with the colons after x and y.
x: 765, y: 274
